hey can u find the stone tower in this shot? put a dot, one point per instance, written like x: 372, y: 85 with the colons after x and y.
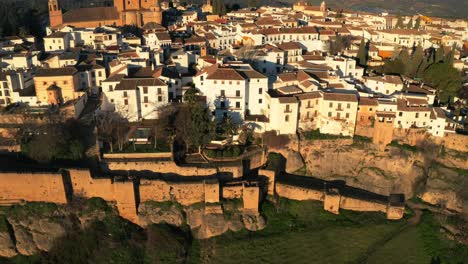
x: 323, y: 8
x: 55, y: 14
x: 54, y: 96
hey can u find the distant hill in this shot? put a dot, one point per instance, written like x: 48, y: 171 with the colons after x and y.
x: 439, y: 8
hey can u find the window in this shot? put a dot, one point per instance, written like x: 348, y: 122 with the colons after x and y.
x: 286, y: 118
x: 339, y: 105
x: 44, y: 83
x: 349, y: 106
x: 260, y: 101
x: 329, y: 114
x: 100, y: 73
x: 347, y: 115
x: 65, y: 82
x: 145, y: 99
x: 417, y: 115
x: 145, y: 89
x: 237, y: 104
x: 160, y: 98
x: 126, y: 102
x: 288, y: 108
x: 125, y: 94
x: 308, y: 104
x: 238, y: 93
x: 223, y: 93
x: 400, y: 113
x: 159, y: 91
x: 330, y: 104
x: 260, y: 90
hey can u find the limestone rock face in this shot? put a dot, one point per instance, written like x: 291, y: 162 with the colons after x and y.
x: 213, y: 225
x: 34, y: 235
x: 7, y: 246
x: 149, y: 214
x: 253, y: 222
x: 379, y: 172
x: 446, y: 187
x: 294, y: 161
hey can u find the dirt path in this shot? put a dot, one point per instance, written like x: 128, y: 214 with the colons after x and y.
x: 413, y: 221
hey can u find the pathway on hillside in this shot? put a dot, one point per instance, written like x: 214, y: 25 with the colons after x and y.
x: 413, y: 221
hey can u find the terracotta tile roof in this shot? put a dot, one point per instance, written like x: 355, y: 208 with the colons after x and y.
x: 340, y: 97
x: 132, y: 84
x: 395, y: 79
x: 91, y: 14
x: 368, y: 101
x: 311, y: 95
x: 225, y: 74
x: 403, y: 105
x: 289, y: 46
x: 163, y: 36
x: 287, y: 100
x: 251, y: 74
x: 66, y: 71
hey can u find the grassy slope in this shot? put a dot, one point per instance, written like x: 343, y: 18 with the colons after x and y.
x: 301, y: 232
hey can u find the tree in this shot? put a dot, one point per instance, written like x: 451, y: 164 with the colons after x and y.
x: 399, y: 23
x: 363, y: 53
x: 55, y: 139
x: 410, y: 24
x: 417, y: 24
x: 339, y: 44
x: 229, y: 127
x: 439, y: 54
x: 191, y: 121
x: 219, y: 8
x: 112, y: 127
x: 444, y: 78
x: 416, y: 61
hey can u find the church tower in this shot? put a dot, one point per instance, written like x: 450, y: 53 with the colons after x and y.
x: 55, y: 14
x: 323, y: 8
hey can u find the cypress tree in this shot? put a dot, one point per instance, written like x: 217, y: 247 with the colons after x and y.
x: 410, y: 24
x: 362, y: 53
x: 399, y: 23
x: 417, y: 24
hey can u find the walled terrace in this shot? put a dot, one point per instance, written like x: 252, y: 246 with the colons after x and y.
x: 210, y: 185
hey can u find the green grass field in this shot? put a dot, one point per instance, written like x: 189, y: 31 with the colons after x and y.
x: 302, y: 232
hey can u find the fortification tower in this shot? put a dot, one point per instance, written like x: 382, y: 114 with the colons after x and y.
x: 132, y: 5
x: 53, y: 95
x: 383, y: 129
x: 119, y: 5
x: 55, y: 14
x: 323, y: 8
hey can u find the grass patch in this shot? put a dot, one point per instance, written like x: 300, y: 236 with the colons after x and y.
x: 316, y: 135
x: 300, y: 232
x: 404, y: 146
x: 32, y: 209
x: 144, y: 148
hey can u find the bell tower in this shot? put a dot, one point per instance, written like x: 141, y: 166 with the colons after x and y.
x: 55, y: 14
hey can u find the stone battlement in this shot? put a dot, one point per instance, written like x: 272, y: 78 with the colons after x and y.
x: 128, y: 192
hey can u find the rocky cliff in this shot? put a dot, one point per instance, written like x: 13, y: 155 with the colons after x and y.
x: 437, y: 176
x: 37, y: 227
x: 204, y: 220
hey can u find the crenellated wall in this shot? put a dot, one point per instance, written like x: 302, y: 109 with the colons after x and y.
x: 33, y: 187
x: 60, y: 187
x: 336, y: 196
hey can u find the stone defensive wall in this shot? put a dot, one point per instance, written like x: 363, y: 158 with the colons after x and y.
x: 163, y: 163
x: 126, y: 192
x: 335, y: 195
